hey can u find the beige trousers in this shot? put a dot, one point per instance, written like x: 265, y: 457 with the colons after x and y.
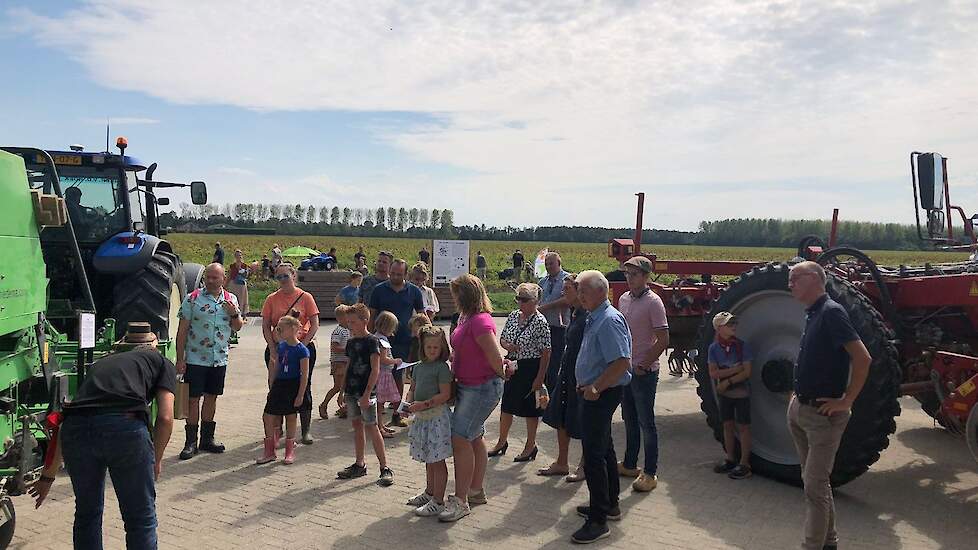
x: 241, y: 293
x: 817, y: 438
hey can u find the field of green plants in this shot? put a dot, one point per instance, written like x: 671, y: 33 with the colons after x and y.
x: 576, y: 256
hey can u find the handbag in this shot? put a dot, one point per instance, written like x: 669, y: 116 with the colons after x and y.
x: 181, y: 401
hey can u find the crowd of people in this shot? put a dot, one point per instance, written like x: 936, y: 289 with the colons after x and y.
x: 565, y: 355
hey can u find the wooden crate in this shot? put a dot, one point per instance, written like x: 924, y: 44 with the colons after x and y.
x: 325, y: 285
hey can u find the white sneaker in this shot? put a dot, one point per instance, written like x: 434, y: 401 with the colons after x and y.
x: 454, y: 509
x: 431, y: 508
x: 420, y: 500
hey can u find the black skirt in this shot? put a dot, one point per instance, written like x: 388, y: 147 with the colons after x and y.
x: 281, y: 398
x: 519, y: 399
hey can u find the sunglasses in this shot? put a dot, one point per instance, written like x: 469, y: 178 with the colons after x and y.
x: 283, y: 277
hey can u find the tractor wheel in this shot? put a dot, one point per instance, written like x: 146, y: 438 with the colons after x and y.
x: 7, y: 529
x: 930, y: 403
x: 153, y: 294
x: 194, y: 276
x: 771, y: 321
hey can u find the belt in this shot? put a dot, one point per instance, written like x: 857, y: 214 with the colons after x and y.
x: 95, y: 411
x: 810, y: 401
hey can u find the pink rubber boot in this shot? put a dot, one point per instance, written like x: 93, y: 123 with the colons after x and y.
x: 289, y: 451
x: 269, y: 454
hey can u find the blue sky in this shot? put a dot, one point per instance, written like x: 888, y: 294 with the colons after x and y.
x: 512, y: 114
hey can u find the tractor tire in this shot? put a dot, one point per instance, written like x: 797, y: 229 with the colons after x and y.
x: 194, y: 276
x: 771, y: 321
x: 930, y: 403
x: 7, y: 529
x: 152, y: 295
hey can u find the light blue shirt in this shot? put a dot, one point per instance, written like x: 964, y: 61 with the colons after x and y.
x: 209, y: 338
x: 553, y: 289
x: 606, y: 339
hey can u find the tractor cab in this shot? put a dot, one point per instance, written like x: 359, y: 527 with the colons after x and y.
x: 109, y: 257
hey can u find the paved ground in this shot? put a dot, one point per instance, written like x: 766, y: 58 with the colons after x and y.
x: 923, y: 493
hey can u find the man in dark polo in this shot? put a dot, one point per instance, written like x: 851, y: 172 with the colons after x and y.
x: 381, y: 273
x: 832, y: 367
x: 106, y: 428
x: 603, y: 368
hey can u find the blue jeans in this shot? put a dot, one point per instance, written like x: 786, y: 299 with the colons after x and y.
x: 120, y: 444
x: 638, y: 412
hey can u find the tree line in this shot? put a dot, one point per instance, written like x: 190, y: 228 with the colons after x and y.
x: 301, y: 219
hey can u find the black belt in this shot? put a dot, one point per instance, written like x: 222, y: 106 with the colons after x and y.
x: 99, y: 411
x: 811, y: 401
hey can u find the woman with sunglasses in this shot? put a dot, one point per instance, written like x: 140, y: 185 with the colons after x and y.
x: 526, y: 337
x: 292, y: 300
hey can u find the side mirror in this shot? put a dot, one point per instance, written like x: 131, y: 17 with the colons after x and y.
x: 162, y: 201
x: 198, y: 192
x: 930, y: 175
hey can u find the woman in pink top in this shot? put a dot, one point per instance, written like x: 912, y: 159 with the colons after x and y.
x: 477, y: 363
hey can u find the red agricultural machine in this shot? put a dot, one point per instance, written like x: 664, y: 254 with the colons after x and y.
x: 920, y: 324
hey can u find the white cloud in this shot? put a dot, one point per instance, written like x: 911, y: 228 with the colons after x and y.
x: 546, y: 101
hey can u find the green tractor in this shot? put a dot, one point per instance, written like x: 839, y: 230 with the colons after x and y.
x: 81, y: 253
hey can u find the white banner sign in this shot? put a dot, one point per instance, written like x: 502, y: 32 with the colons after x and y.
x: 450, y: 259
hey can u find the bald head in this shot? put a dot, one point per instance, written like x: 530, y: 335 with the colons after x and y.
x: 806, y: 280
x: 214, y: 277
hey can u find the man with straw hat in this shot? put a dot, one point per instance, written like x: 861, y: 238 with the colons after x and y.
x: 106, y: 427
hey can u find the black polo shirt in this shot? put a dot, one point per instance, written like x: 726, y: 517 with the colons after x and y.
x: 125, y: 381
x: 822, y: 369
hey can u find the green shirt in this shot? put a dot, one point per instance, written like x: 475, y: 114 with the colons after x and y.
x: 427, y: 377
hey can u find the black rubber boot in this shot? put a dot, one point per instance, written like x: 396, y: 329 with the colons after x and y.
x: 305, y: 419
x: 190, y: 447
x: 207, y: 442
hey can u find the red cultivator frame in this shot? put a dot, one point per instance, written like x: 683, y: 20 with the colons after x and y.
x: 920, y: 324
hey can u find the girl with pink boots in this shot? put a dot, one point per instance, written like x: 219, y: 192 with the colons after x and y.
x: 287, y: 380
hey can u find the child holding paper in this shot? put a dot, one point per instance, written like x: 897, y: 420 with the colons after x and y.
x: 431, y: 431
x: 384, y: 327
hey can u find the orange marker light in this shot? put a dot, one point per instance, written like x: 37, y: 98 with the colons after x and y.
x: 121, y: 142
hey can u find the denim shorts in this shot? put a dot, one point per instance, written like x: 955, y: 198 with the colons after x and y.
x: 473, y: 405
x: 369, y: 416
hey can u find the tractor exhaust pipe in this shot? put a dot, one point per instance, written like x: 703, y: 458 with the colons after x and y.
x: 637, y: 241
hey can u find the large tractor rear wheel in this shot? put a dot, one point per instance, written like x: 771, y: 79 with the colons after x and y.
x: 771, y: 321
x: 194, y: 276
x: 153, y: 295
x: 9, y: 517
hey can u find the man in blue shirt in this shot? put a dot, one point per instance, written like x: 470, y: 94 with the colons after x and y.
x: 603, y: 367
x: 830, y: 372
x: 555, y: 309
x: 403, y: 299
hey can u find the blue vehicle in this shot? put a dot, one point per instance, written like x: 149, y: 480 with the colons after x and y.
x: 111, y: 257
x: 323, y: 262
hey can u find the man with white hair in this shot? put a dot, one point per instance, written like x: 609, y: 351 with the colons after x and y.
x: 830, y: 372
x: 207, y: 316
x: 603, y: 368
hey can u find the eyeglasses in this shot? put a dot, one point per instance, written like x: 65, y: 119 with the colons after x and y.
x: 283, y: 277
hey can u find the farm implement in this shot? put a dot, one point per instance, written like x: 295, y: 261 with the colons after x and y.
x: 80, y: 257
x: 919, y: 323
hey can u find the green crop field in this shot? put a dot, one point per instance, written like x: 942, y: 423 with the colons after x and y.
x: 576, y: 256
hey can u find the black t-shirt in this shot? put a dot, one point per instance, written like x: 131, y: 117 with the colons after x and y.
x: 424, y: 256
x: 822, y: 369
x: 359, y: 350
x: 125, y: 381
x: 480, y: 261
x: 219, y: 256
x: 518, y: 261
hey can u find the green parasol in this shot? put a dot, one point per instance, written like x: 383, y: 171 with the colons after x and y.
x: 300, y: 252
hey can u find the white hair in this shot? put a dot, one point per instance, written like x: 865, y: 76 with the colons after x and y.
x: 214, y: 267
x: 593, y: 279
x: 811, y: 267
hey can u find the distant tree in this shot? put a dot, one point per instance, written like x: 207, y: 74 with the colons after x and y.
x: 447, y: 222
x: 275, y: 211
x: 334, y: 216
x: 311, y: 215
x: 358, y: 216
x: 324, y: 215
x: 370, y: 217
x: 423, y: 217
x: 391, y: 218
x: 227, y: 210
x: 298, y: 213
x: 185, y: 210
x: 413, y: 217
x: 435, y: 219
x: 261, y: 212
x: 381, y: 218
x: 347, y: 214
x: 402, y: 219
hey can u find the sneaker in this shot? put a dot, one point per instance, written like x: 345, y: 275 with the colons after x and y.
x: 740, y: 472
x: 613, y: 515
x: 590, y: 532
x: 645, y: 483
x: 476, y: 499
x: 420, y: 500
x: 724, y: 467
x: 454, y: 509
x: 431, y: 508
x: 386, y: 477
x: 352, y: 471
x: 627, y: 472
